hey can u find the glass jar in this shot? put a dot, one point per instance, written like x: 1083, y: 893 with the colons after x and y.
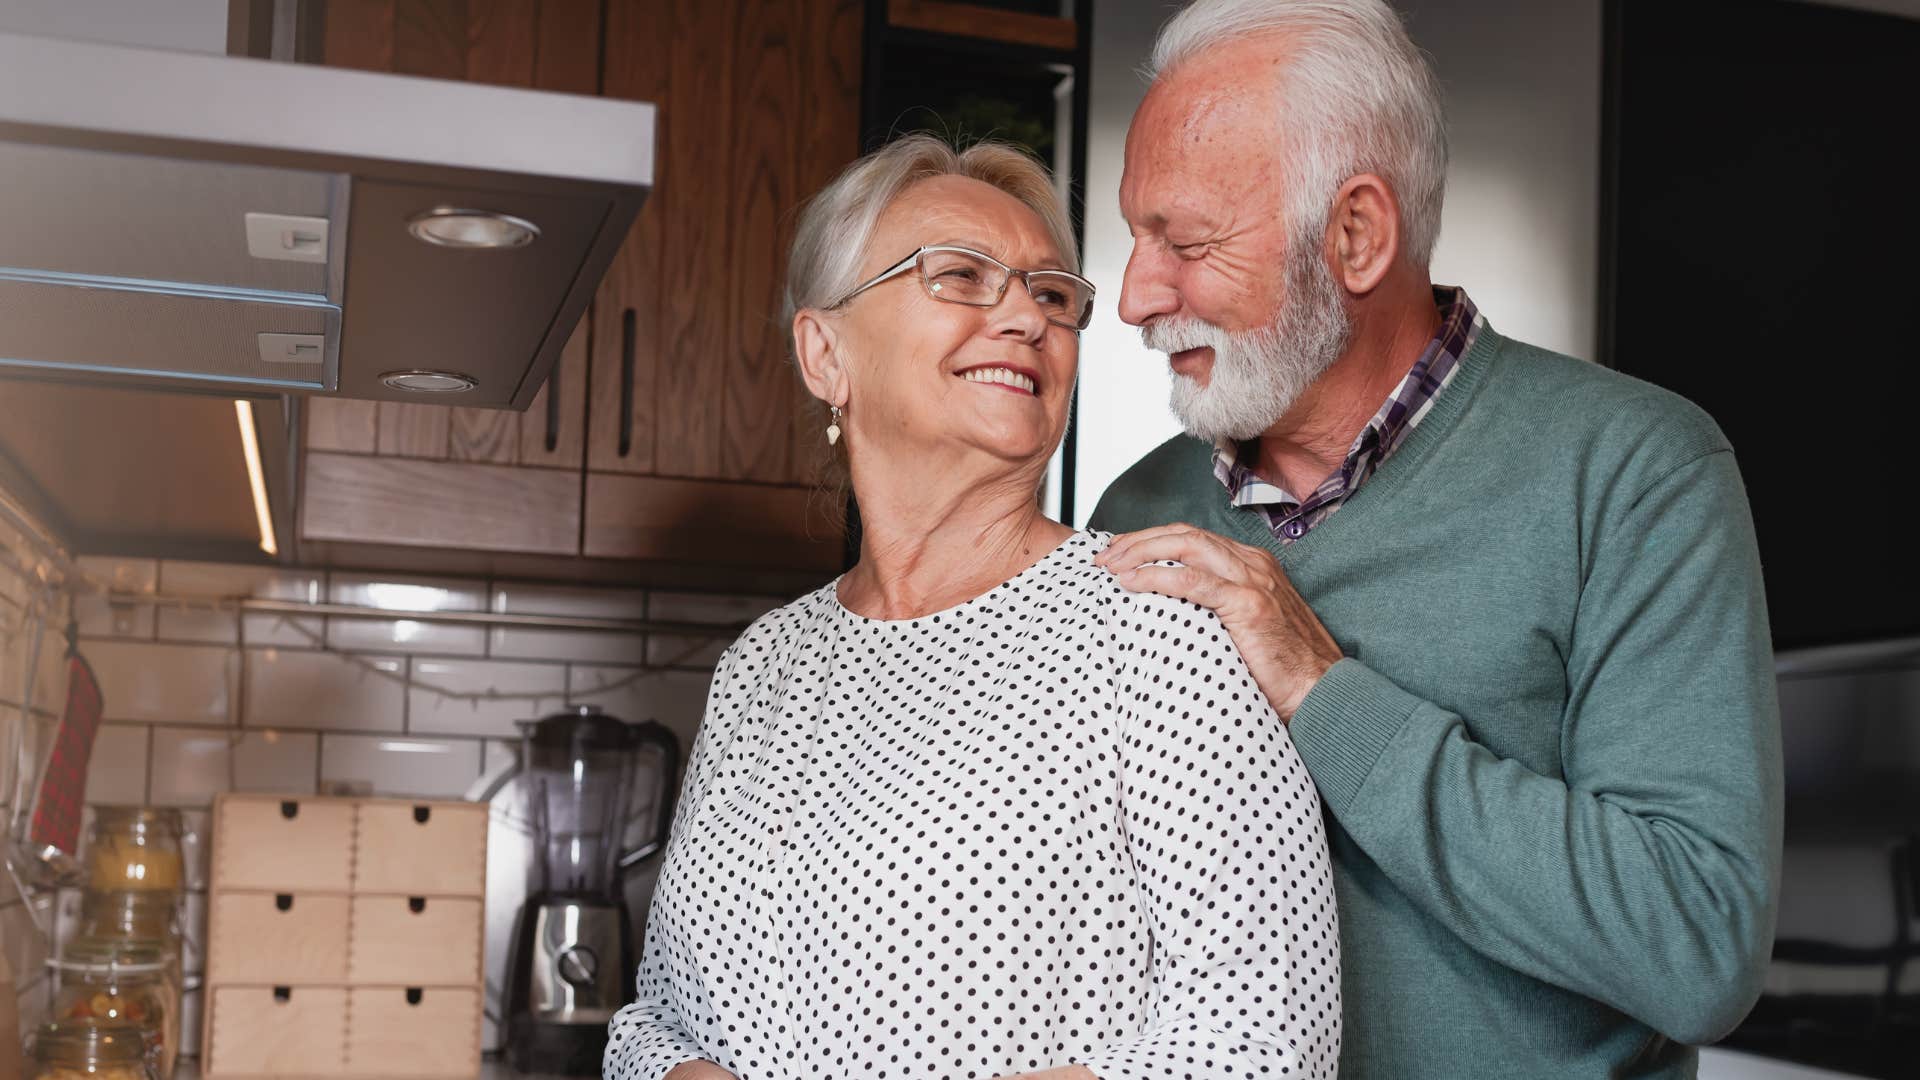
x: 125, y: 983
x: 84, y: 1050
x: 135, y: 848
x: 129, y: 915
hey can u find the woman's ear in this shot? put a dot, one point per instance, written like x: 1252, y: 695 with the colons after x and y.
x: 820, y: 368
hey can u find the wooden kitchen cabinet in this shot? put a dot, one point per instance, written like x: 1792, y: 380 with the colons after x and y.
x: 676, y: 394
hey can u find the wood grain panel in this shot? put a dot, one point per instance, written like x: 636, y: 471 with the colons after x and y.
x: 489, y: 435
x: 700, y: 521
x: 977, y: 21
x: 699, y: 228
x: 567, y: 47
x: 341, y: 424
x: 570, y: 438
x: 446, y: 504
x: 828, y: 138
x: 636, y: 68
x: 359, y: 34
x: 756, y: 414
x: 501, y: 36
x: 415, y: 431
x: 430, y: 38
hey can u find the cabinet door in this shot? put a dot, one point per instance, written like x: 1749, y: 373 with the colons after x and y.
x: 759, y: 108
x: 551, y: 46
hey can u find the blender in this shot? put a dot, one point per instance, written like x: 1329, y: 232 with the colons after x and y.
x: 572, y: 958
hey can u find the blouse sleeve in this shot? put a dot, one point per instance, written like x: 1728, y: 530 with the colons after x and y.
x: 649, y: 1037
x: 1230, y: 854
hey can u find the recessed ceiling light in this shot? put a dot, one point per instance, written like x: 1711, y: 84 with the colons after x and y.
x: 430, y: 382
x: 446, y: 226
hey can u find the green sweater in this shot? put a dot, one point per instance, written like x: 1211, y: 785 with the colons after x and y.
x: 1552, y: 756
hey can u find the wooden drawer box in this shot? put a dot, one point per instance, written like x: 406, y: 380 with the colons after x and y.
x: 415, y: 941
x: 277, y: 939
x: 282, y: 845
x: 414, y: 1032
x: 261, y: 1031
x: 421, y: 849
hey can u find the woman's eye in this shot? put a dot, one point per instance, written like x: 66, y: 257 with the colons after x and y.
x: 959, y: 273
x: 1051, y: 297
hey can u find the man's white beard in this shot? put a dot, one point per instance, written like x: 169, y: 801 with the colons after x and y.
x: 1257, y: 374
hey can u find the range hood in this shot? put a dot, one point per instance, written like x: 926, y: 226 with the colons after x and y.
x: 173, y: 220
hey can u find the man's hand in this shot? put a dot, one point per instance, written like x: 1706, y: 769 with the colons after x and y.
x: 1285, y: 646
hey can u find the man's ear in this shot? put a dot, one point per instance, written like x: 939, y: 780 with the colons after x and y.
x: 1364, y: 231
x: 813, y: 340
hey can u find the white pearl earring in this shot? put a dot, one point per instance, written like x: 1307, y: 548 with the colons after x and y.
x: 833, y: 429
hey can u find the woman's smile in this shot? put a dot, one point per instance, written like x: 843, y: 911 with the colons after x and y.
x: 1020, y: 380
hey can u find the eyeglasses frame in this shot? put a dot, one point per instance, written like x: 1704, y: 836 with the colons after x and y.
x: 1025, y: 276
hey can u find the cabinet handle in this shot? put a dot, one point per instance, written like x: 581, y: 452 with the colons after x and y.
x: 416, y: 904
x: 553, y: 409
x: 626, y: 381
x: 283, y: 901
x: 422, y: 813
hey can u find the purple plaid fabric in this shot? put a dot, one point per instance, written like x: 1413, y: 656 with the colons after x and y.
x: 1291, y: 518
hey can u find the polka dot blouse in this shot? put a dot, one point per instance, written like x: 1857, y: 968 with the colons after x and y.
x: 1056, y: 824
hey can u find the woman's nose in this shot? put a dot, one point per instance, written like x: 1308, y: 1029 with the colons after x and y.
x: 1018, y: 313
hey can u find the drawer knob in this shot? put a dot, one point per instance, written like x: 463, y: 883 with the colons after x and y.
x: 422, y: 813
x: 413, y: 995
x: 283, y: 901
x: 283, y: 994
x: 289, y: 809
x: 416, y: 904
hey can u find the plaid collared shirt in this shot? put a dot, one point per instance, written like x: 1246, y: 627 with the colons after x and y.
x: 1291, y: 518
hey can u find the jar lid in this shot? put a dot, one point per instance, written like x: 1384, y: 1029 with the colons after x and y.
x: 138, y: 815
x: 87, y: 1040
x: 112, y: 956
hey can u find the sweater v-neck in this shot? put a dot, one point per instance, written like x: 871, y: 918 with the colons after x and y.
x: 1447, y: 408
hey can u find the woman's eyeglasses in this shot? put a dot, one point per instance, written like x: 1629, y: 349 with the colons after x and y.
x: 964, y: 276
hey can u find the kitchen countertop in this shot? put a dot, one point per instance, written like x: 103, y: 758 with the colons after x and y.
x: 1715, y: 1064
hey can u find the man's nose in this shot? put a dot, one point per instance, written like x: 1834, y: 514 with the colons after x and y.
x: 1147, y: 288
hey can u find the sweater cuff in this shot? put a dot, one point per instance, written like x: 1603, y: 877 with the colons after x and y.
x: 1344, y: 724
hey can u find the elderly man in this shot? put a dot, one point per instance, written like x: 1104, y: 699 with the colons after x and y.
x: 1508, y: 602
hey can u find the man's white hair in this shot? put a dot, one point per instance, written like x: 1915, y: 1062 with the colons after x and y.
x: 1357, y: 96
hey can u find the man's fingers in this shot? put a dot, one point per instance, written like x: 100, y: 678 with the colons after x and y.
x: 1193, y: 546
x: 1179, y: 582
x: 1124, y: 541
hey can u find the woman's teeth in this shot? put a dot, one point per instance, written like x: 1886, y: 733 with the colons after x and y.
x: 1000, y: 375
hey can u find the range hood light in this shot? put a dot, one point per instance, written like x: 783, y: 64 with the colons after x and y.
x: 256, y: 477
x: 446, y: 226
x: 429, y: 382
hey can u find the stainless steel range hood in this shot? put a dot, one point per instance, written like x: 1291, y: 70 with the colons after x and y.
x: 245, y: 227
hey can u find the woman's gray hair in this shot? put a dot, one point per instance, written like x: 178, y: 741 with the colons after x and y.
x: 1358, y: 97
x: 830, y: 239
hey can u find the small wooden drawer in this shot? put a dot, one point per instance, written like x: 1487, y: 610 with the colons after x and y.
x: 284, y: 1031
x: 277, y: 939
x: 421, y: 849
x: 415, y: 941
x: 414, y: 1032
x: 282, y: 845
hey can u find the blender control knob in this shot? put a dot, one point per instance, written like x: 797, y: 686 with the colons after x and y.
x: 578, y: 966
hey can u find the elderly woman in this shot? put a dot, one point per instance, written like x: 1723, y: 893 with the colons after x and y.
x: 974, y: 809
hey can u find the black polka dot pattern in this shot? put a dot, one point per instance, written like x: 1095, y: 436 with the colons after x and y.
x: 1055, y: 824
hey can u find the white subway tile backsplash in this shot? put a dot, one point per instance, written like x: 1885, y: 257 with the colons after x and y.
x: 431, y: 712
x: 581, y: 646
x: 407, y: 594
x: 191, y: 766
x: 289, y: 688
x: 674, y: 650
x: 676, y: 699
x: 100, y: 617
x: 407, y: 768
x: 189, y: 684
x: 225, y: 582
x: 710, y: 607
x: 117, y: 768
